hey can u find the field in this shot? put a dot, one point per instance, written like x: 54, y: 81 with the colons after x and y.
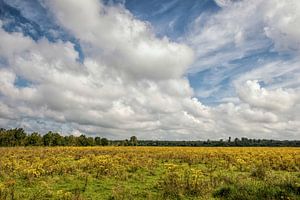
x: 149, y: 173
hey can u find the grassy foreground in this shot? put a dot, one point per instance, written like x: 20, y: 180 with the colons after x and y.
x: 68, y: 173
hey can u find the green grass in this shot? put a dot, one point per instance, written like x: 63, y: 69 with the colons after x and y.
x: 138, y: 185
x: 160, y: 184
x: 127, y: 176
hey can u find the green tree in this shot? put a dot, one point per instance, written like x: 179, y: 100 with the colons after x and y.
x: 90, y: 141
x: 70, y: 140
x: 125, y: 142
x: 97, y: 141
x: 58, y: 140
x: 3, y: 137
x: 133, y: 141
x: 104, y: 142
x: 48, y: 139
x: 82, y: 140
x: 19, y: 137
x: 34, y: 139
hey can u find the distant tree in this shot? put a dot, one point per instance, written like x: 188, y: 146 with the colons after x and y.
x: 82, y: 140
x: 3, y: 137
x: 208, y: 142
x: 97, y: 141
x: 125, y: 142
x: 104, y: 141
x: 133, y: 141
x: 12, y: 137
x: 53, y: 139
x: 70, y: 140
x: 34, y: 139
x: 19, y: 137
x: 237, y: 142
x: 245, y: 141
x: 48, y: 139
x: 58, y: 140
x: 90, y: 141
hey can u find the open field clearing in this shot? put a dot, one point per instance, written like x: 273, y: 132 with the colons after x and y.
x: 149, y: 173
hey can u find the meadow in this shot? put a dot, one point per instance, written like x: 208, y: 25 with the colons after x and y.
x: 68, y: 173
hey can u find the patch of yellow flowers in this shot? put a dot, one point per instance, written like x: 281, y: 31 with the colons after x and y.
x: 33, y: 162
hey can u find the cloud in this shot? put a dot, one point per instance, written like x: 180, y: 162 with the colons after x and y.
x: 246, y: 40
x: 230, y: 34
x: 282, y: 19
x: 224, y: 3
x: 276, y: 74
x: 131, y: 82
x: 96, y: 93
x: 279, y: 99
x: 112, y: 35
x: 236, y: 32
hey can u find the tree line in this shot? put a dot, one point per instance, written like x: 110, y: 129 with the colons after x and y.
x: 237, y: 142
x: 18, y: 137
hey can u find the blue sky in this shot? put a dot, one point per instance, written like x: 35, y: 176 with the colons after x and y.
x: 197, y: 59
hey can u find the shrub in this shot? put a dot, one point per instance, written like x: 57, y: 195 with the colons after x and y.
x: 189, y: 182
x: 258, y: 190
x: 259, y: 172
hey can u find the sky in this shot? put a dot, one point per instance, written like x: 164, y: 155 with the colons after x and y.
x: 156, y: 69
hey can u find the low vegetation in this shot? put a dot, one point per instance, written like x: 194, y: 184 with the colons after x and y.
x: 70, y: 173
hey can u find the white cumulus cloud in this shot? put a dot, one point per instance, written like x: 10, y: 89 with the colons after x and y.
x: 133, y: 83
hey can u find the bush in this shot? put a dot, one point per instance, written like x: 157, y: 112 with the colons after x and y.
x: 258, y: 190
x: 259, y: 172
x: 224, y: 192
x: 189, y: 182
